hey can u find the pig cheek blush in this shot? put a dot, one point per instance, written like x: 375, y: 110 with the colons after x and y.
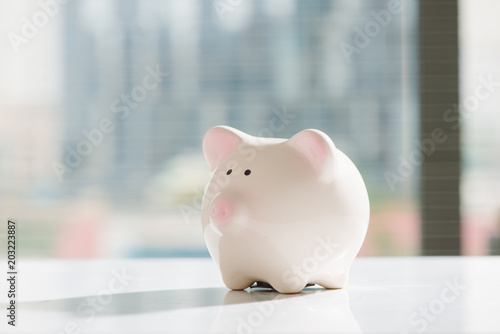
x: 299, y: 224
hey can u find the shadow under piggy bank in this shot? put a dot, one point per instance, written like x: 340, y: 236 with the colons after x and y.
x: 310, y: 311
x: 133, y: 302
x: 150, y: 301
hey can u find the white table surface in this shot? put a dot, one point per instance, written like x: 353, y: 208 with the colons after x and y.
x: 384, y: 295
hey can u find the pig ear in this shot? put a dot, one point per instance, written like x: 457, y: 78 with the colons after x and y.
x: 220, y: 142
x: 318, y: 149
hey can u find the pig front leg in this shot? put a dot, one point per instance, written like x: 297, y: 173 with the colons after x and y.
x: 236, y: 280
x: 335, y: 281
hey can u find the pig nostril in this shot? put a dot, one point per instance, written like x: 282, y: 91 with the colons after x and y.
x: 221, y: 211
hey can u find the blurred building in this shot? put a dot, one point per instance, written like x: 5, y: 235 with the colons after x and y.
x: 238, y: 65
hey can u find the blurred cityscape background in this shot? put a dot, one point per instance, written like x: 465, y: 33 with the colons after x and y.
x: 104, y: 104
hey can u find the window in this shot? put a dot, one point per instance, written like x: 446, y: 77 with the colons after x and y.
x: 104, y: 106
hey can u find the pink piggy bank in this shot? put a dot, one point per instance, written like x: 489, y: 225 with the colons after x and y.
x: 283, y: 212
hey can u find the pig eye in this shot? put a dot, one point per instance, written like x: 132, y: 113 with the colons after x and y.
x: 229, y: 172
x: 247, y: 172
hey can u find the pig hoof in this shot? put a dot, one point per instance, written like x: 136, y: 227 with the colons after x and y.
x: 237, y: 284
x: 338, y: 281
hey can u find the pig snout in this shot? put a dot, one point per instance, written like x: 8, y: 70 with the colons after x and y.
x: 221, y: 211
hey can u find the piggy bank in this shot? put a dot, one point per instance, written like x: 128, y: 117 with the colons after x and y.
x: 283, y: 213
